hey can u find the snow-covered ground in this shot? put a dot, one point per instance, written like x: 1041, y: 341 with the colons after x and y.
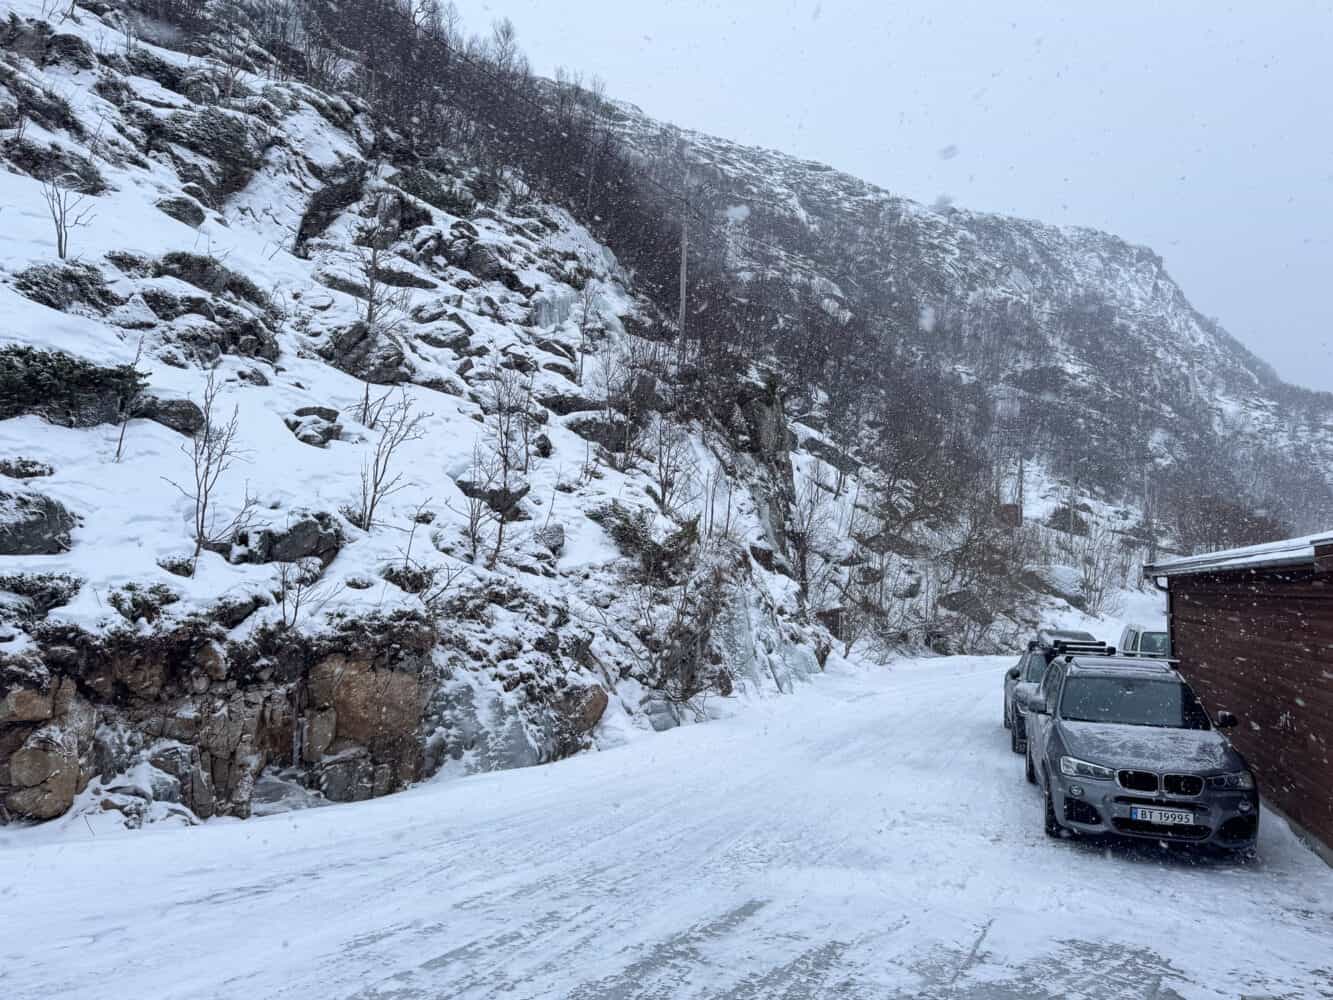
x: 871, y: 836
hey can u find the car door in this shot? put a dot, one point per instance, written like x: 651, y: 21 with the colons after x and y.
x: 1010, y: 684
x: 1039, y: 723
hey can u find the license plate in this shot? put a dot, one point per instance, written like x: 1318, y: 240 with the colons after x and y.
x: 1162, y: 817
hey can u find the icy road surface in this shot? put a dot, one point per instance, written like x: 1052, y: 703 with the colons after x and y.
x: 871, y: 836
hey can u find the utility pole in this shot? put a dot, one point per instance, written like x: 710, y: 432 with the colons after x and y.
x: 684, y: 263
x: 684, y: 266
x: 1021, y: 482
x: 1149, y: 516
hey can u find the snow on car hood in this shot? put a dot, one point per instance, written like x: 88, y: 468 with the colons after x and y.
x: 1149, y: 747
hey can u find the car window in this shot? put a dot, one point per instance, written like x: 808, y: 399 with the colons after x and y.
x: 1132, y: 701
x: 1035, y: 669
x: 1156, y: 643
x: 1131, y: 638
x: 1051, y: 686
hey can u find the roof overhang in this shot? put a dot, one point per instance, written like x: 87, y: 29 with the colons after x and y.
x: 1311, y: 552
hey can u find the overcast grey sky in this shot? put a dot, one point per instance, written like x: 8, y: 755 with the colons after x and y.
x: 1201, y: 128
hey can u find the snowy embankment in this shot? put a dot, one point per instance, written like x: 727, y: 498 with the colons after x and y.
x: 872, y: 837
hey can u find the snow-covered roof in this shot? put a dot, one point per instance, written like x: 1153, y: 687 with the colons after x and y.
x: 1290, y: 552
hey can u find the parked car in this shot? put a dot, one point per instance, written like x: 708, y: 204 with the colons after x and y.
x: 1137, y: 640
x: 1024, y: 678
x: 1122, y: 745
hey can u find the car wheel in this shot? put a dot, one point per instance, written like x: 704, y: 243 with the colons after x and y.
x: 1030, y: 771
x: 1016, y: 741
x: 1053, y: 828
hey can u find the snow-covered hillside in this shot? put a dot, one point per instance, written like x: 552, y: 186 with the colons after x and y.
x: 366, y: 510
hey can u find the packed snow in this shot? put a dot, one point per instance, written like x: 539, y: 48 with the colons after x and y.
x: 870, y: 837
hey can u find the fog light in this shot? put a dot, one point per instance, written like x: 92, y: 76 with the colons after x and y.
x: 1076, y: 791
x: 1244, y: 806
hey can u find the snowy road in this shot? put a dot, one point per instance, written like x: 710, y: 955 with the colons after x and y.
x: 871, y: 837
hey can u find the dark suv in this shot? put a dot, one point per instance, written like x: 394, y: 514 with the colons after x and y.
x: 1022, y: 680
x: 1123, y: 746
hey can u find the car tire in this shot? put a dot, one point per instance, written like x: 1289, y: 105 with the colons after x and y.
x: 1052, y: 822
x: 1016, y: 742
x: 1029, y: 770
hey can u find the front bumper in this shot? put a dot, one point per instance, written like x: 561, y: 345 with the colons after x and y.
x: 1226, y: 819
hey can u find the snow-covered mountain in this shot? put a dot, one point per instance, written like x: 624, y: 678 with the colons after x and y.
x: 1088, y: 334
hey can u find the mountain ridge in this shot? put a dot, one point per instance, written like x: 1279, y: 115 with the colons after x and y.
x: 866, y: 242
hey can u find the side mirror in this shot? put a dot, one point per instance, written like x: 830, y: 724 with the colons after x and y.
x: 1013, y: 673
x: 1032, y: 701
x: 1226, y: 720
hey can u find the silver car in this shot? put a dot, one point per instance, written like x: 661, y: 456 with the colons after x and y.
x: 1122, y: 746
x: 1022, y: 680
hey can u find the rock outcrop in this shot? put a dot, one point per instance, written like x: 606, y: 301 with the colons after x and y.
x: 33, y: 524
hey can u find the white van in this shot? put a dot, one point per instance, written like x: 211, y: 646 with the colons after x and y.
x: 1138, y: 640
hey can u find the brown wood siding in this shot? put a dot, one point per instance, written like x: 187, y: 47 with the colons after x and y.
x: 1260, y: 644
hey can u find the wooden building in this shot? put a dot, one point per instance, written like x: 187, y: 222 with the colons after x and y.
x: 1253, y: 631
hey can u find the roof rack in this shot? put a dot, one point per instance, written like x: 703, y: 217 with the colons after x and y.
x: 1144, y: 664
x: 1083, y: 648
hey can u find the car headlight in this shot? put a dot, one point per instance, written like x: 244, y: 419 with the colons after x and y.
x: 1239, y: 780
x: 1075, y: 768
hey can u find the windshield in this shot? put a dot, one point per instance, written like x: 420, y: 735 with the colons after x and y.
x: 1155, y: 643
x: 1132, y: 701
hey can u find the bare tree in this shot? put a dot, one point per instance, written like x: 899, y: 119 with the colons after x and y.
x: 384, y: 305
x: 508, y: 424
x: 68, y: 210
x: 589, y: 322
x: 717, y: 513
x: 370, y: 409
x: 379, y: 481
x: 1103, y: 568
x: 477, y: 514
x: 673, y: 467
x: 129, y: 403
x: 809, y: 525
x: 212, y: 451
x: 300, y: 587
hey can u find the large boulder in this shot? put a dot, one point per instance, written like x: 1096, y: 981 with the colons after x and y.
x: 583, y: 707
x: 370, y: 355
x: 307, y: 535
x: 44, y: 773
x: 374, y: 708
x: 314, y: 425
x: 69, y: 287
x: 63, y: 389
x: 180, y: 414
x: 32, y: 524
x: 183, y: 209
x: 502, y: 500
x: 23, y: 704
x: 315, y: 536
